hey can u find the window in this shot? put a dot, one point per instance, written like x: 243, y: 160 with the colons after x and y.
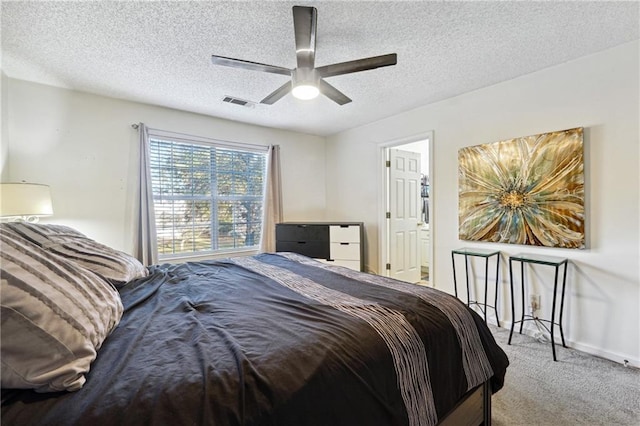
x: 207, y: 198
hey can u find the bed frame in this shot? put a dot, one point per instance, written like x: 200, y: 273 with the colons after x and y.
x: 473, y: 410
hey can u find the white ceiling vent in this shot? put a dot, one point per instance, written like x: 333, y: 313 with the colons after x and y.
x: 238, y: 101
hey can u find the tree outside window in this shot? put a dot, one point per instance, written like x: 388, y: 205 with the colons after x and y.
x: 206, y: 198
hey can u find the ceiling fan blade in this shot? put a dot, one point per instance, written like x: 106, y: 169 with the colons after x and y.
x: 304, y: 25
x: 248, y: 65
x: 358, y: 65
x: 332, y: 93
x: 277, y: 94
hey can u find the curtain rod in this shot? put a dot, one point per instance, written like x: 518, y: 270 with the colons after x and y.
x: 137, y: 126
x: 203, y: 138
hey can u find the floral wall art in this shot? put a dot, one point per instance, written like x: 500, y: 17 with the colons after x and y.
x: 527, y: 190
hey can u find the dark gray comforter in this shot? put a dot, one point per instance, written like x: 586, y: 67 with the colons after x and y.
x: 275, y: 340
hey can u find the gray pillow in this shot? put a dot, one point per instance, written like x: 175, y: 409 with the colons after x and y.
x: 114, y: 265
x: 55, y: 316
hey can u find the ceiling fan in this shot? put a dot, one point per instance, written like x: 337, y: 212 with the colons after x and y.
x: 307, y: 81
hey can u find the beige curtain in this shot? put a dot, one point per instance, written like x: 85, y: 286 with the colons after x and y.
x: 146, y: 244
x: 272, y: 213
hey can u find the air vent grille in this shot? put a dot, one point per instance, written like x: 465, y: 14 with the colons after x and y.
x: 237, y: 101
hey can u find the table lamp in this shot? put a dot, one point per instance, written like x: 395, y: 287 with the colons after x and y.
x: 25, y: 201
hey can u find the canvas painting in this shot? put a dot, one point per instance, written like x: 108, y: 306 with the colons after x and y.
x: 528, y: 190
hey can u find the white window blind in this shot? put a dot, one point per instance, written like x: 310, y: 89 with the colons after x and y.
x: 207, y: 198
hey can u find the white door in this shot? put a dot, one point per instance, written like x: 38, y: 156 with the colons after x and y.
x: 405, y: 214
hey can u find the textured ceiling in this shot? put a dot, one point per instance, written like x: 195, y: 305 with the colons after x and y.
x: 159, y: 52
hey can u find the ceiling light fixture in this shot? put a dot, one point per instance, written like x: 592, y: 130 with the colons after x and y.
x: 305, y: 83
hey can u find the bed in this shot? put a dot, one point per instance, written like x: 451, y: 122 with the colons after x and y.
x: 271, y: 339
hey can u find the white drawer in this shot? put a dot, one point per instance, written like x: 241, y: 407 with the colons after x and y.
x: 351, y: 264
x: 344, y: 251
x: 344, y: 234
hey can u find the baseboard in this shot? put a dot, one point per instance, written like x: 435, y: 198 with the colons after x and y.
x: 627, y: 360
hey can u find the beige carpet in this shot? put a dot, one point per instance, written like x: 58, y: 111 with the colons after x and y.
x: 578, y: 389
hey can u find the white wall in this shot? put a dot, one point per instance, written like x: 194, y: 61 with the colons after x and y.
x: 598, y: 92
x: 84, y: 147
x: 4, y: 140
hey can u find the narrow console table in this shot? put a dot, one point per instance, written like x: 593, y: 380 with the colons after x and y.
x: 486, y: 254
x: 555, y: 262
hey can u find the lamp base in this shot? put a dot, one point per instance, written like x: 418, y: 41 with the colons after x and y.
x: 28, y: 219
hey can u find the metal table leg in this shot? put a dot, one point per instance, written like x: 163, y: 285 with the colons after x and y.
x: 455, y: 283
x: 556, y: 262
x: 495, y: 302
x: 513, y: 304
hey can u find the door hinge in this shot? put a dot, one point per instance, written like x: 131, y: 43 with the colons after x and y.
x: 388, y: 266
x: 388, y: 163
x: 388, y: 215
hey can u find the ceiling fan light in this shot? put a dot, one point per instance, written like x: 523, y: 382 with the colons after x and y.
x: 305, y: 91
x: 305, y: 83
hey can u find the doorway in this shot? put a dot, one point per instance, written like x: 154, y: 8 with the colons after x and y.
x: 406, y: 252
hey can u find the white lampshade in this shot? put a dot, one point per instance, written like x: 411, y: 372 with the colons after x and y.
x: 25, y: 200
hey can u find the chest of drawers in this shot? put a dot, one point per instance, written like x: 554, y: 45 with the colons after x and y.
x: 337, y: 243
